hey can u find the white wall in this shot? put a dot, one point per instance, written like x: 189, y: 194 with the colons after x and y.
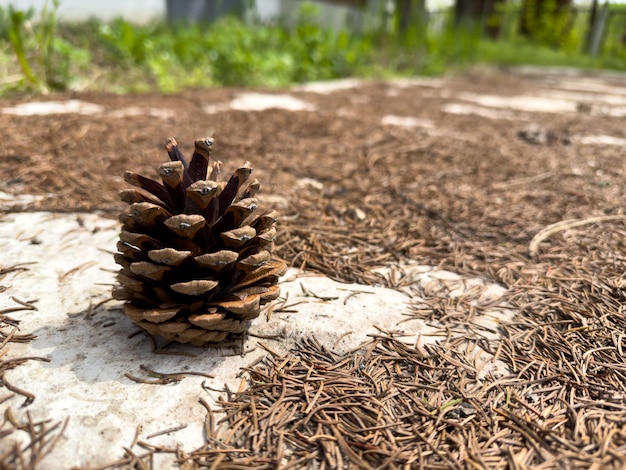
x: 138, y: 11
x: 142, y: 11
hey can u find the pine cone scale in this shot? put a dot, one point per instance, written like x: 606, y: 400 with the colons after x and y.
x: 169, y: 256
x: 200, y: 159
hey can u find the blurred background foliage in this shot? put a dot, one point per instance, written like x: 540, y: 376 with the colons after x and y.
x: 40, y: 54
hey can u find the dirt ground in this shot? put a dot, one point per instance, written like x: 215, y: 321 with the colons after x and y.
x: 401, y: 172
x: 464, y: 191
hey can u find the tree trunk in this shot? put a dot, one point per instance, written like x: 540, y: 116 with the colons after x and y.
x: 410, y: 12
x: 590, y: 26
x: 484, y: 12
x: 536, y: 15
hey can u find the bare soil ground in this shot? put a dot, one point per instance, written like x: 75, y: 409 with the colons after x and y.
x: 391, y: 173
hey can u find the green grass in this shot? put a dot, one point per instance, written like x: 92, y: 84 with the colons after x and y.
x: 524, y: 53
x: 123, y: 57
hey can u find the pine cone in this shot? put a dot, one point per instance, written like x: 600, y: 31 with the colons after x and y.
x: 195, y: 253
